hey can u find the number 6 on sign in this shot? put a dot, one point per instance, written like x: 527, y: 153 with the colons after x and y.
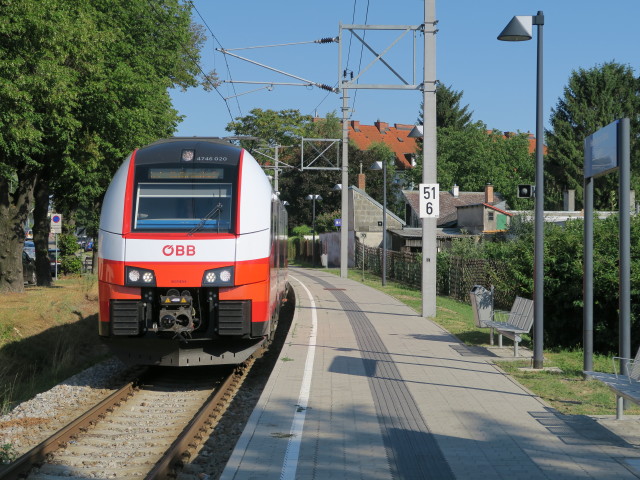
x: 429, y: 200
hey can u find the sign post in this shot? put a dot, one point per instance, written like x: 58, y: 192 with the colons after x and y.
x: 605, y: 151
x: 56, y: 228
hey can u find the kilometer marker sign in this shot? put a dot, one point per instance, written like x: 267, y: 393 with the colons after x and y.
x: 429, y: 200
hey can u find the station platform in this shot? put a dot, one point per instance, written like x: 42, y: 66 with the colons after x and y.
x: 365, y: 388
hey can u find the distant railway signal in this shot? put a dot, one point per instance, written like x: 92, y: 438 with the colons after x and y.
x: 526, y: 191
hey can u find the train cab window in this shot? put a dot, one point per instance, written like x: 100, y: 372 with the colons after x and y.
x: 183, y: 207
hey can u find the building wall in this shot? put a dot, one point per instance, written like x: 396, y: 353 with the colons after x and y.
x: 472, y: 218
x: 367, y: 213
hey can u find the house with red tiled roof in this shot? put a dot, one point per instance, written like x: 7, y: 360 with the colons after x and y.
x: 396, y: 137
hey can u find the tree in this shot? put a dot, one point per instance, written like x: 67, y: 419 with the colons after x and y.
x: 37, y: 97
x: 270, y: 127
x: 449, y: 113
x: 472, y: 157
x: 286, y: 127
x: 146, y: 48
x: 97, y: 74
x: 592, y: 99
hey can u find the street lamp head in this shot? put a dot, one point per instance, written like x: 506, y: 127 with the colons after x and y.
x: 520, y: 28
x: 416, y: 132
x: 337, y: 187
x: 313, y: 197
x: 376, y: 166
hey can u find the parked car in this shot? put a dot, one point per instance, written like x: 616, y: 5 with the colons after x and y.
x: 28, y: 269
x: 53, y: 262
x: 30, y: 248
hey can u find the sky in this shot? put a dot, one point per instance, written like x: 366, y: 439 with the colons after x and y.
x: 498, y: 79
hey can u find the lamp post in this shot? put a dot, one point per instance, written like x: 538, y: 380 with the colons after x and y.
x: 313, y: 199
x: 383, y: 166
x: 519, y: 29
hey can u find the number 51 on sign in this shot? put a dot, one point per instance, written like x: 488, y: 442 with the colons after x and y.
x: 429, y: 200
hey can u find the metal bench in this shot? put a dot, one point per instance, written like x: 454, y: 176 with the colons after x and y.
x: 623, y: 385
x: 512, y: 324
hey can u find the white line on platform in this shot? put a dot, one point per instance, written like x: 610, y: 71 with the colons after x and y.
x: 290, y: 464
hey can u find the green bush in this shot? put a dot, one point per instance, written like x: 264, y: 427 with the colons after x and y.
x: 71, y: 264
x: 563, y: 277
x: 301, y: 231
x: 67, y: 244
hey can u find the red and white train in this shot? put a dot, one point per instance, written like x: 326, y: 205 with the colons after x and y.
x: 192, y: 255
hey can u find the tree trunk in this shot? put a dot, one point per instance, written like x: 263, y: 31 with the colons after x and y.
x: 41, y: 227
x: 14, y: 210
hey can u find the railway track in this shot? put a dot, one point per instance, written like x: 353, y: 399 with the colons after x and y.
x: 141, y: 431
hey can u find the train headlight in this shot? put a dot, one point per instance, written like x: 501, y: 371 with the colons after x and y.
x: 139, y: 277
x: 218, y: 277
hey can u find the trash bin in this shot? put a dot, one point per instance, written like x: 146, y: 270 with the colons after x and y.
x: 482, y: 304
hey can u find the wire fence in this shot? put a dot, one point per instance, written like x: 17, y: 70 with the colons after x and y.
x: 455, y: 276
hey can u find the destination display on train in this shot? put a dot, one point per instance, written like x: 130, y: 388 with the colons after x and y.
x: 186, y: 173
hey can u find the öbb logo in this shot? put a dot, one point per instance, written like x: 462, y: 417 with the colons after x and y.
x: 178, y: 250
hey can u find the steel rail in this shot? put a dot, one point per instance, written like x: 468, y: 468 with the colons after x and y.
x: 192, y: 433
x: 37, y: 454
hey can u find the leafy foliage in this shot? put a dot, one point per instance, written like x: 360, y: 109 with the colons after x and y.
x: 7, y: 453
x: 83, y: 83
x: 563, y: 277
x: 71, y: 265
x: 301, y: 231
x: 471, y: 157
x: 324, y: 221
x: 284, y: 128
x: 449, y: 112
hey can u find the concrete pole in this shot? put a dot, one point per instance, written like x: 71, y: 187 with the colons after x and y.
x: 429, y: 175
x: 344, y: 228
x: 384, y: 222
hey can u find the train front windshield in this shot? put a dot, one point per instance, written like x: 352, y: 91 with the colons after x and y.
x: 184, y: 199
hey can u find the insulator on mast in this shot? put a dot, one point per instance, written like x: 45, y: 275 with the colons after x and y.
x: 327, y: 40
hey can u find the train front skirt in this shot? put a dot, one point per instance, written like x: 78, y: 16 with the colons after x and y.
x: 177, y: 353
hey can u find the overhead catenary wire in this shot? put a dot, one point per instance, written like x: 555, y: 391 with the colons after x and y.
x: 366, y: 19
x: 321, y: 40
x: 193, y: 59
x: 308, y: 83
x: 225, y: 61
x: 353, y: 20
x: 316, y: 84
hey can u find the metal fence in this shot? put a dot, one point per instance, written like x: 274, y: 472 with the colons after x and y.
x: 455, y: 276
